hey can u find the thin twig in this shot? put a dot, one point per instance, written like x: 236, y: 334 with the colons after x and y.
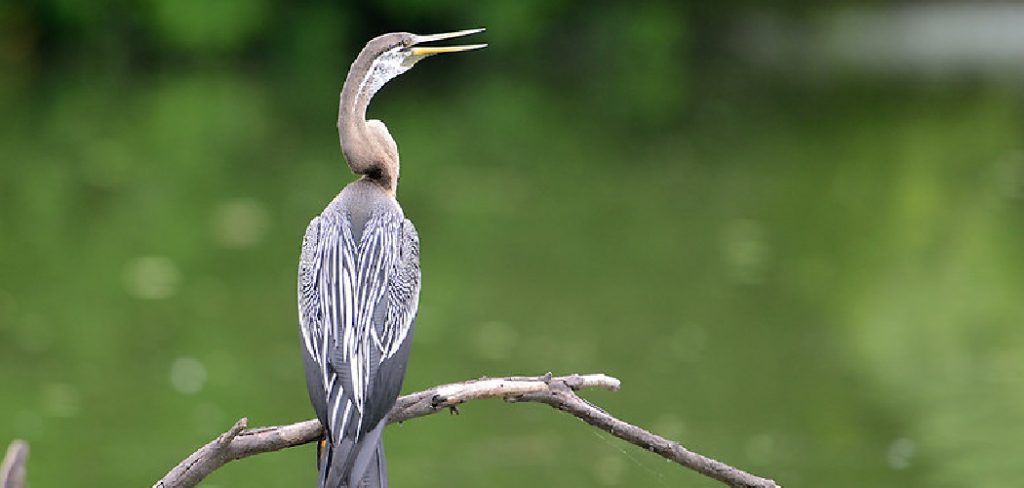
x: 563, y: 397
x: 12, y: 469
x: 558, y: 392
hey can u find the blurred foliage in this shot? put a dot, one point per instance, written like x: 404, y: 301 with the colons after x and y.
x: 818, y: 280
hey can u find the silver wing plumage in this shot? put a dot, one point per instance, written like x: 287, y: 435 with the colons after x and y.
x: 358, y: 298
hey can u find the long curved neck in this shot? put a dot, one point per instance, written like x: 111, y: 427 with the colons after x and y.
x: 368, y: 148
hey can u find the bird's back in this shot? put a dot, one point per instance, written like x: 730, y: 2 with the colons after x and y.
x: 358, y: 294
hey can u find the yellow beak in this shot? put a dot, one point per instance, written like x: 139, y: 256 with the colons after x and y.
x: 429, y: 51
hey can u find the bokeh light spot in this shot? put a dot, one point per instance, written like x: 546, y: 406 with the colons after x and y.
x: 152, y: 277
x: 240, y: 223
x: 188, y: 375
x: 61, y: 400
x: 900, y: 453
x: 495, y: 340
x: 746, y: 251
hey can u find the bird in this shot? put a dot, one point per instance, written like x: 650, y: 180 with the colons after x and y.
x: 359, y: 276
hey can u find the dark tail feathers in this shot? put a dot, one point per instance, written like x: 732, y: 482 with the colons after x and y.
x: 355, y: 465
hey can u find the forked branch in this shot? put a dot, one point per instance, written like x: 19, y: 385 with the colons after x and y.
x: 12, y: 468
x: 558, y: 392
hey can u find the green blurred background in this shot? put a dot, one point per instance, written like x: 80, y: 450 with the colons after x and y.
x: 794, y: 233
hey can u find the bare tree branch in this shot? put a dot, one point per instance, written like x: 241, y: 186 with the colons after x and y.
x: 558, y: 392
x: 12, y: 469
x: 562, y: 397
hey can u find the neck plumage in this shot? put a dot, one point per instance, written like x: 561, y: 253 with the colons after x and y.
x: 367, y: 146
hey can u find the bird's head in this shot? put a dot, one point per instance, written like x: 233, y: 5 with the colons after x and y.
x: 389, y: 55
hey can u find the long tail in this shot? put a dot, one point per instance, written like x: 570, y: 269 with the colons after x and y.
x: 376, y: 469
x: 355, y: 465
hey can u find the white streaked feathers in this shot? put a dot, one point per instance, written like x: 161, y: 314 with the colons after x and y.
x: 341, y: 283
x: 385, y: 67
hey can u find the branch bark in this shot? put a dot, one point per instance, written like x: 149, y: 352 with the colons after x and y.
x: 558, y: 392
x: 12, y: 469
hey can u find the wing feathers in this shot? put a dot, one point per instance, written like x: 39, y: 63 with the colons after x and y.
x: 357, y: 305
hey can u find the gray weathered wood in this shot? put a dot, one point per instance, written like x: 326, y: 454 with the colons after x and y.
x: 558, y: 392
x: 12, y: 469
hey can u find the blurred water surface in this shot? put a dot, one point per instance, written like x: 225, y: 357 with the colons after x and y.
x: 818, y: 280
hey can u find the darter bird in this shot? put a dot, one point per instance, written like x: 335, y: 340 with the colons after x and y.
x: 359, y: 277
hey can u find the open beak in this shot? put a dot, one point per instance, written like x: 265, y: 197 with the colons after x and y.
x: 422, y: 52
